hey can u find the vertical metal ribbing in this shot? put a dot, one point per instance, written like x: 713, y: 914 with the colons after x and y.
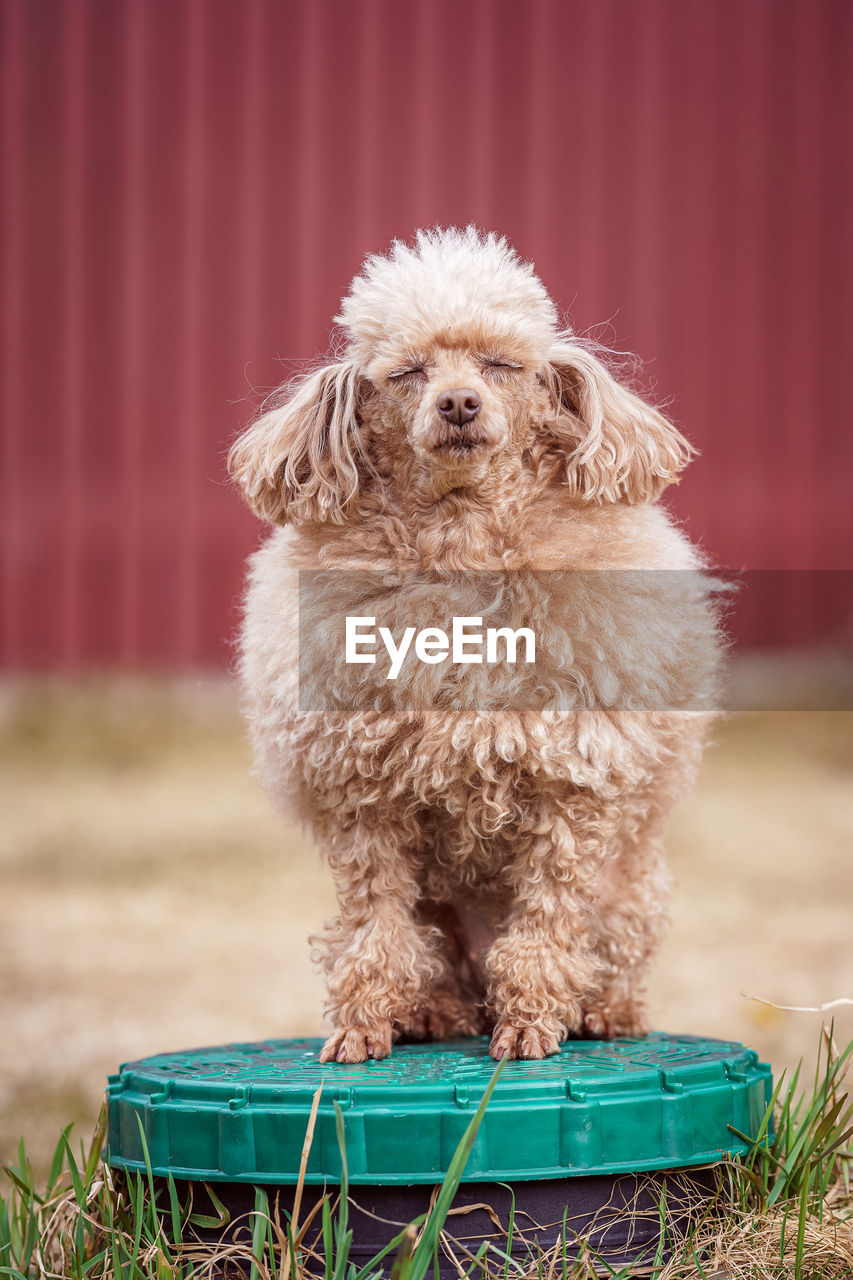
x: 186, y: 190
x: 134, y: 355
x: 76, y: 44
x: 12, y: 534
x: 190, y: 401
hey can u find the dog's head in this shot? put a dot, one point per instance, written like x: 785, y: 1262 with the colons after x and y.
x: 454, y: 359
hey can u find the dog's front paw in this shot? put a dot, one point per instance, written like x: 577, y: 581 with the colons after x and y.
x: 510, y: 1041
x: 356, y: 1044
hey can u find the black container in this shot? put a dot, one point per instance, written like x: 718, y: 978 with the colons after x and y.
x: 622, y: 1219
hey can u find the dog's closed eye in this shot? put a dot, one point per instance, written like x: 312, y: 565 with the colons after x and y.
x: 412, y: 373
x: 498, y: 367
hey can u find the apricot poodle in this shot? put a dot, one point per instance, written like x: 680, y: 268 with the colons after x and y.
x: 494, y: 828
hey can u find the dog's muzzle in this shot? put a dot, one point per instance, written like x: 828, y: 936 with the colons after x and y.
x: 459, y: 432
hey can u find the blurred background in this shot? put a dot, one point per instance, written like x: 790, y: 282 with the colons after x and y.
x: 187, y: 188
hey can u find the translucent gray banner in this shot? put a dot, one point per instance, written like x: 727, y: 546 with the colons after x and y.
x: 406, y: 642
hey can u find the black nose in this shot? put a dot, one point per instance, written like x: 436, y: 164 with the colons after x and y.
x: 459, y: 406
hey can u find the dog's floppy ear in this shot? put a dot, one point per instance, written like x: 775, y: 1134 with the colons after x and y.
x: 619, y: 448
x: 300, y: 460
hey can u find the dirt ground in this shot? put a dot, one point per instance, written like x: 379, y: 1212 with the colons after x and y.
x: 150, y: 900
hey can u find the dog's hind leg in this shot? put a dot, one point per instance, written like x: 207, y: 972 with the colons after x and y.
x: 617, y: 1010
x: 455, y: 1003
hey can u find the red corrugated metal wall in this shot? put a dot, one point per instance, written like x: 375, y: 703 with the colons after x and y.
x: 189, y: 186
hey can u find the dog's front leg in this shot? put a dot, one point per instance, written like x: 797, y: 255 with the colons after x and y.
x: 544, y: 960
x: 379, y: 960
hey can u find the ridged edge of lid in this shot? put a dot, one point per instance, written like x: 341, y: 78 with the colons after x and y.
x: 238, y: 1112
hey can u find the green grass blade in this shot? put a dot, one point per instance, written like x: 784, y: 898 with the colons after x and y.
x: 76, y: 1178
x: 5, y: 1234
x: 602, y: 1266
x: 328, y: 1241
x: 402, y: 1266
x: 428, y: 1243
x: 370, y: 1267
x: 510, y: 1231
x: 801, y: 1228
x: 174, y: 1212
x: 205, y: 1220
x: 147, y: 1158
x: 22, y: 1186
x: 812, y: 1133
x: 260, y: 1213
x: 58, y: 1160
x: 96, y: 1146
x: 697, y: 1264
x: 477, y: 1259
x: 343, y: 1237
x: 657, y: 1262
x: 271, y: 1251
x: 138, y: 1219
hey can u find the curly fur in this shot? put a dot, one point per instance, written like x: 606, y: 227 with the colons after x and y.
x: 498, y: 861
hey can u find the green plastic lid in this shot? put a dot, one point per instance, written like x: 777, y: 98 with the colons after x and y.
x: 239, y: 1112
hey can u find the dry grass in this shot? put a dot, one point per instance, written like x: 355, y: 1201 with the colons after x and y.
x: 151, y: 900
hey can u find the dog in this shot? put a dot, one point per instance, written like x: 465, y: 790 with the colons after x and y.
x: 496, y: 845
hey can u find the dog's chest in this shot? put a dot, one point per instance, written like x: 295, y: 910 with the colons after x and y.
x: 482, y: 644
